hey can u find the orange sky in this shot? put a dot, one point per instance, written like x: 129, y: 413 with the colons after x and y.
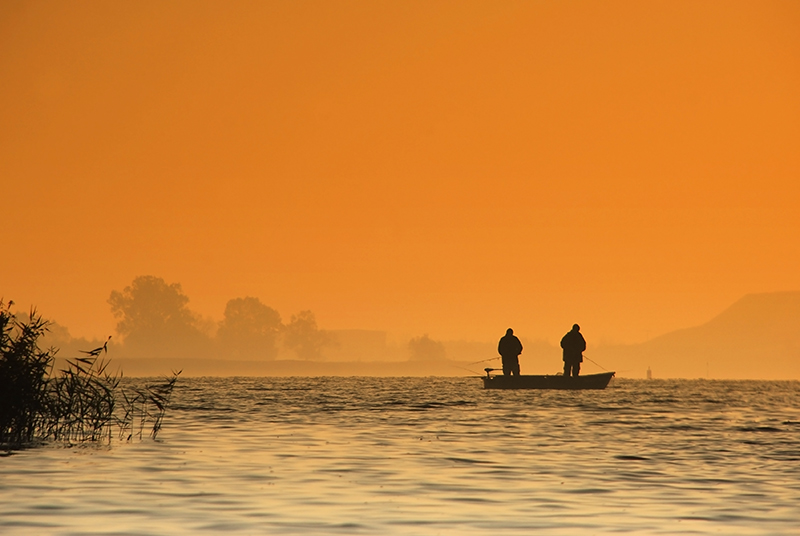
x: 452, y: 168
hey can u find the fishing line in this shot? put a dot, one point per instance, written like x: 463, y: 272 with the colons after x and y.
x: 484, y: 360
x: 595, y: 362
x: 469, y: 370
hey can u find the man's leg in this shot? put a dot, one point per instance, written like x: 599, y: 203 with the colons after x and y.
x: 571, y: 368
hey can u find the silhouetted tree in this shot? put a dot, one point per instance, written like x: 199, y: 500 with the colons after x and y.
x: 426, y: 349
x: 304, y: 337
x: 155, y: 320
x: 249, y: 329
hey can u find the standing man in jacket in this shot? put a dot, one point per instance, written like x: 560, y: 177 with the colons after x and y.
x: 509, y: 349
x: 574, y: 345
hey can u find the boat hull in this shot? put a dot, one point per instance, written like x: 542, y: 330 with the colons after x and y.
x: 589, y: 381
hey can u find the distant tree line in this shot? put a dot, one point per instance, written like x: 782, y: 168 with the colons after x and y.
x: 426, y: 349
x: 154, y: 319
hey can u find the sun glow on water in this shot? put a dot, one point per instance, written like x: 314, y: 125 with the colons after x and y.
x: 429, y: 456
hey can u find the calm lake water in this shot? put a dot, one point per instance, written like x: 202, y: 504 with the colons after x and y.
x: 429, y: 456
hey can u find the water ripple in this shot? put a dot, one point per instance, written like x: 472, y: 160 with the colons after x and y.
x: 429, y: 456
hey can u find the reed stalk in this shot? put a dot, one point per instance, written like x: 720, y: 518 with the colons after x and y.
x: 81, y: 403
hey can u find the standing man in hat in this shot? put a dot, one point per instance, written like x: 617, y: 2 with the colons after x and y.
x: 509, y: 349
x: 574, y: 345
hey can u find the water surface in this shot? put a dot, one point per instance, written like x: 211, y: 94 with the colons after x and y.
x: 428, y: 456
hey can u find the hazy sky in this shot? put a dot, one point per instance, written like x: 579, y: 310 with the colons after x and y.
x: 451, y: 168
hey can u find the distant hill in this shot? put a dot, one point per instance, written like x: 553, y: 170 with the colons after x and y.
x: 758, y: 337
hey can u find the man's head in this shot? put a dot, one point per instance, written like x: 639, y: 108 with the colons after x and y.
x: 576, y: 327
x: 509, y: 331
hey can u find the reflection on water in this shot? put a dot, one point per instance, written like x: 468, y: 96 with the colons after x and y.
x: 429, y: 456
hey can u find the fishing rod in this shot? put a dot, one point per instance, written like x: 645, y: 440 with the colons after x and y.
x: 595, y: 362
x: 484, y: 360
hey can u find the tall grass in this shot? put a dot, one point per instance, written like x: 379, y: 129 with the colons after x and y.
x: 144, y: 408
x: 24, y: 369
x: 82, y: 402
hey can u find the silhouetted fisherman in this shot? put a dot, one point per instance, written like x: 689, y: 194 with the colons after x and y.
x: 509, y: 349
x: 574, y: 345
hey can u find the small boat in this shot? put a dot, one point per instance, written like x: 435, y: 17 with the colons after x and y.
x: 555, y: 381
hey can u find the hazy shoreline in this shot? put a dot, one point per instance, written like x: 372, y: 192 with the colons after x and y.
x: 142, y: 367
x: 152, y: 367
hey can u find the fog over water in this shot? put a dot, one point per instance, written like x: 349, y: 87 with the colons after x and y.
x: 428, y: 456
x: 157, y: 331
